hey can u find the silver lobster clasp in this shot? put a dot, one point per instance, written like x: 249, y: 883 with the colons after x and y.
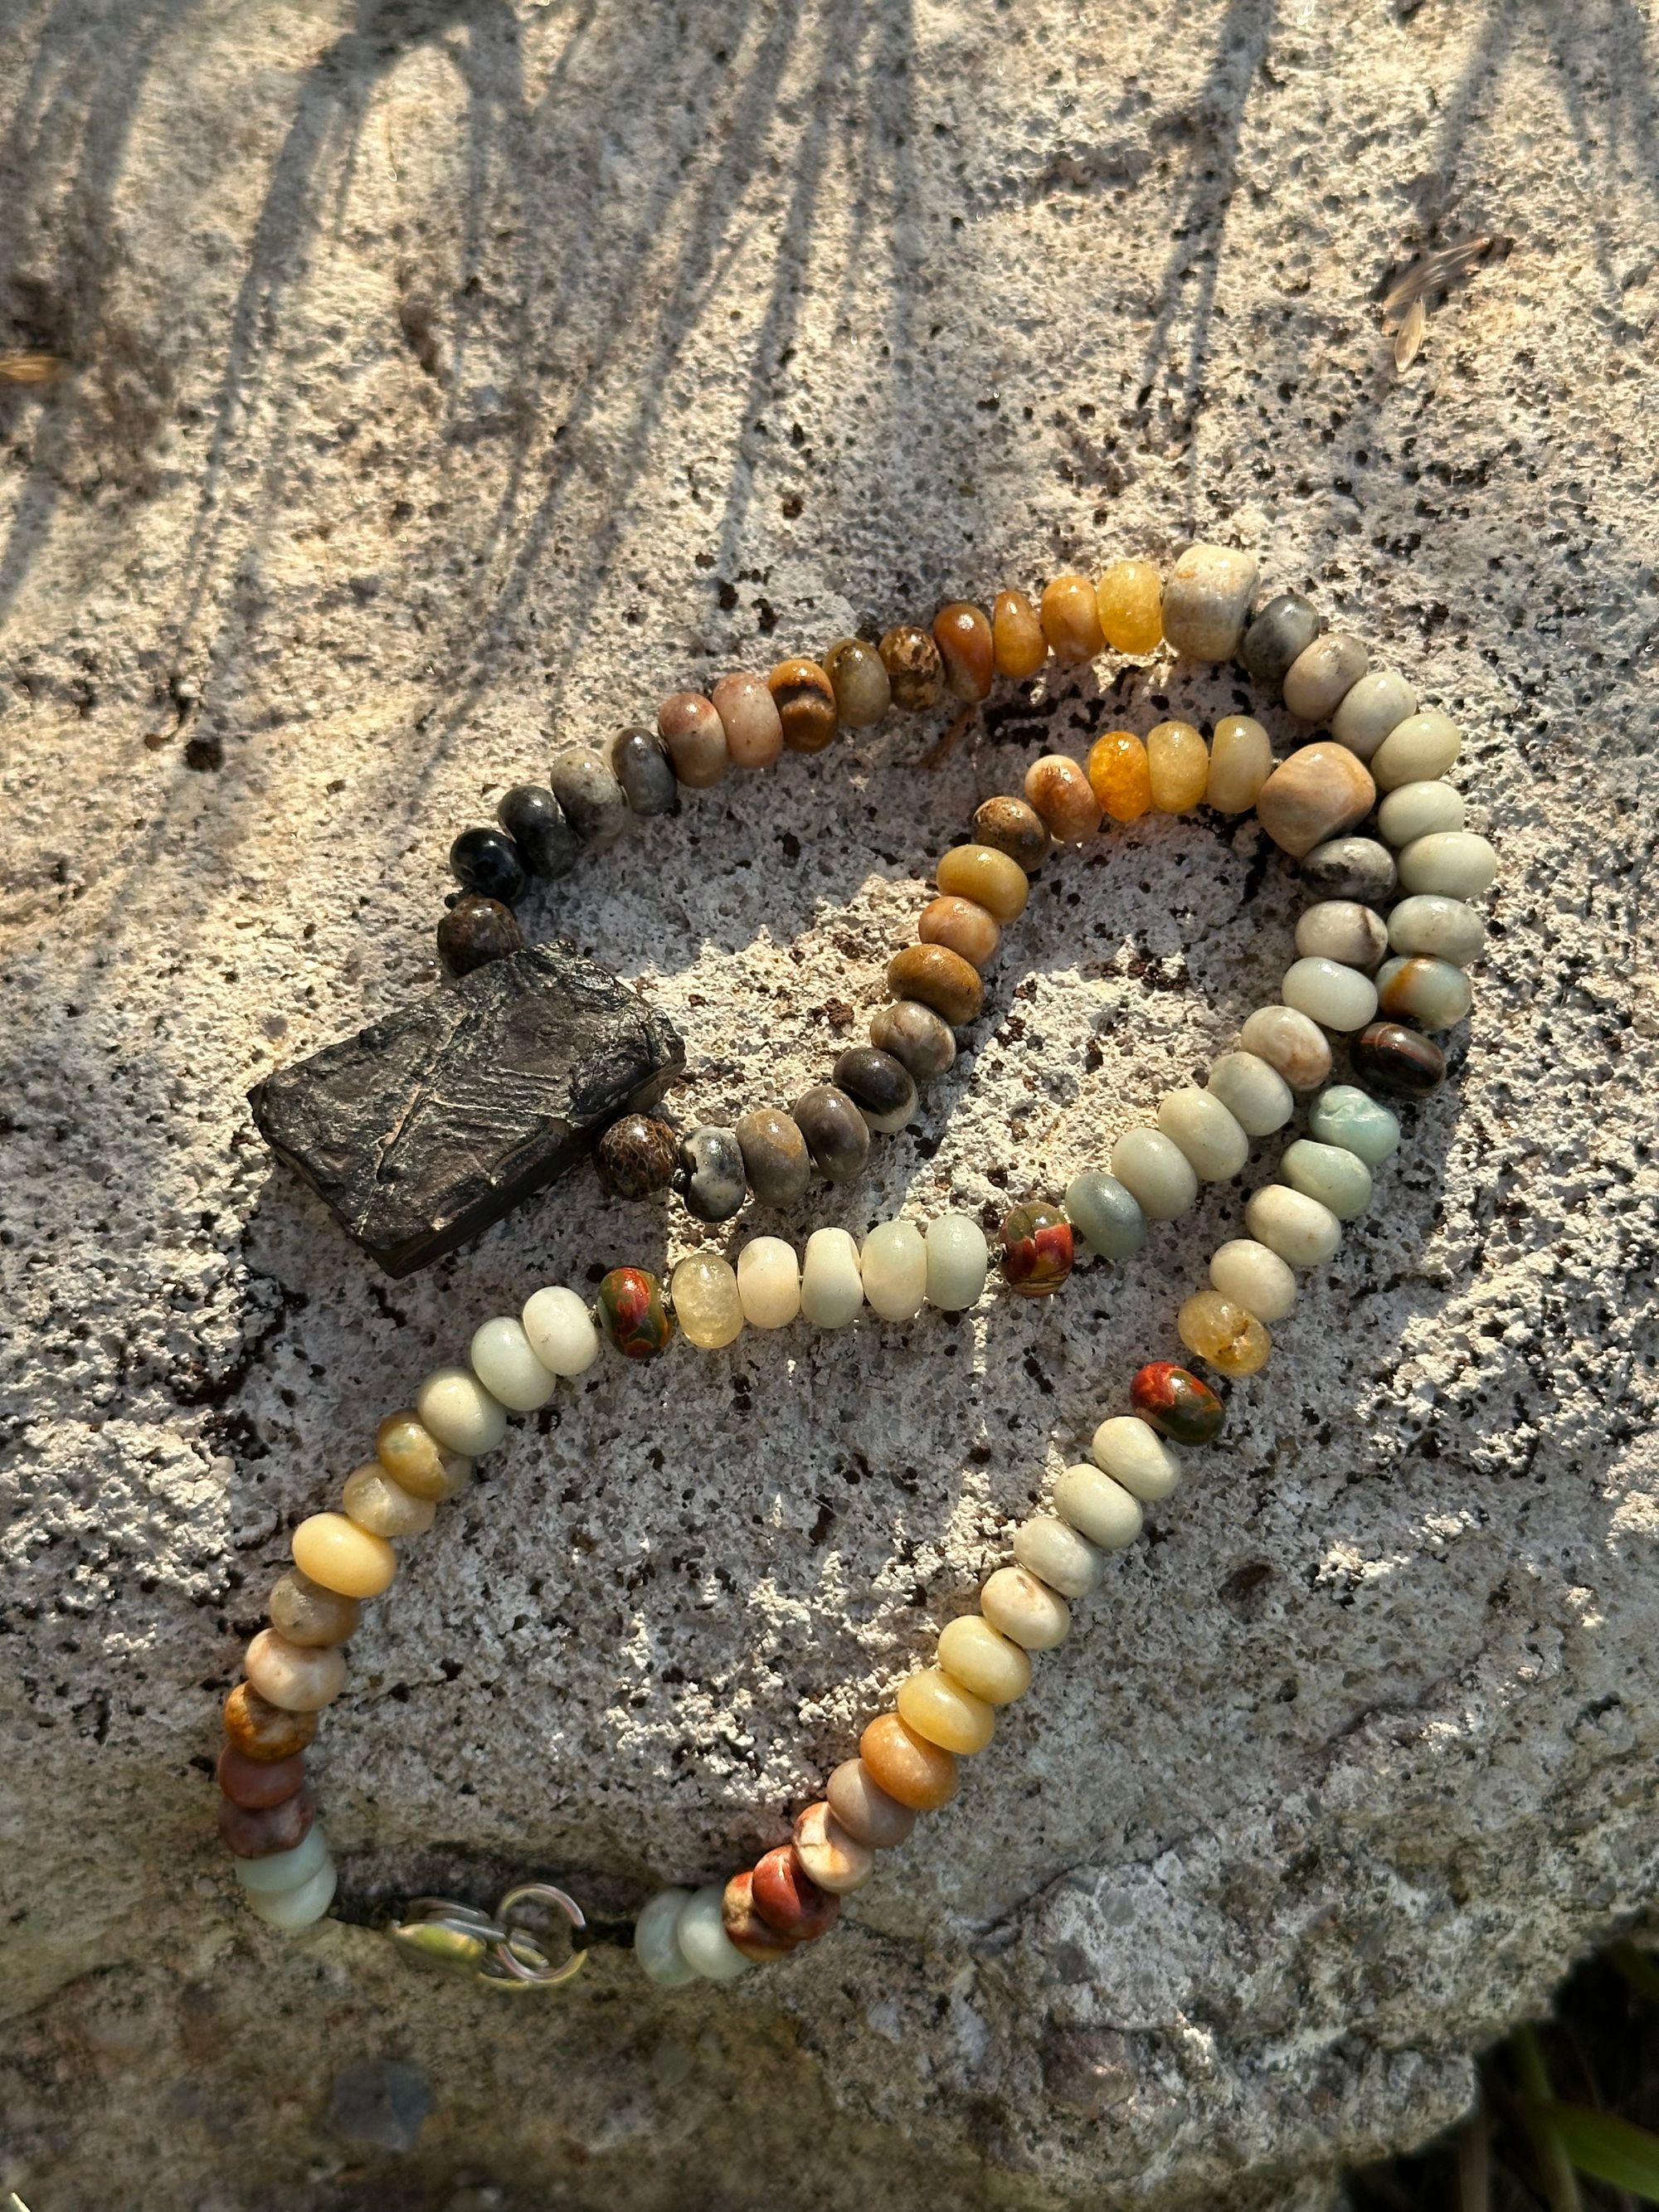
x: 496, y: 1948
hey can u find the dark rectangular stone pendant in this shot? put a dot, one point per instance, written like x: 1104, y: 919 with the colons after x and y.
x: 435, y: 1121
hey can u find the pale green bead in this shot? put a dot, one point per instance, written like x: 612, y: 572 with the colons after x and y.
x: 284, y: 1870
x: 1298, y: 1228
x: 831, y: 1282
x: 657, y: 1941
x: 453, y: 1406
x: 561, y: 1331
x: 1098, y: 1506
x: 1336, y: 997
x: 1347, y: 1116
x: 1052, y: 1550
x: 1105, y: 1215
x: 1156, y: 1173
x: 1448, y: 864
x: 1330, y: 1173
x: 1256, y: 1095
x: 1433, y: 993
x: 1206, y: 1131
x: 504, y: 1363
x: 1379, y: 702
x: 292, y: 1910
x: 958, y: 1260
x: 1133, y: 1453
x: 1253, y: 1277
x: 704, y: 1944
x: 1417, y: 750
x: 1418, y: 809
x: 1437, y: 929
x: 894, y: 1263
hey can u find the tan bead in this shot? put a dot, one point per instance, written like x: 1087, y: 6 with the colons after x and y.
x: 1315, y: 795
x: 690, y: 727
x: 1119, y: 776
x: 918, y: 1773
x: 1071, y: 620
x: 806, y: 701
x: 1013, y: 827
x: 1059, y: 791
x: 1230, y: 1339
x: 1206, y: 598
x: 940, y: 979
x: 863, y: 694
x: 913, y: 668
x: 984, y: 1662
x: 962, y: 632
x: 336, y: 1553
x: 299, y: 1678
x: 749, y: 715
x: 1241, y: 761
x: 417, y: 1461
x: 307, y: 1613
x: 261, y: 1730
x: 990, y: 879
x: 962, y: 926
x: 828, y: 1855
x: 1129, y: 600
x: 1017, y: 636
x: 707, y: 1301
x: 935, y: 1707
x: 384, y: 1507
x: 865, y: 1809
x: 1177, y: 767
x: 1021, y: 1607
x: 1292, y: 1046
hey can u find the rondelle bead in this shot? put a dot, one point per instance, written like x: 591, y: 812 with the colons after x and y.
x: 1338, y: 1178
x: 917, y: 1772
x: 1010, y: 826
x: 829, y: 1854
x: 1342, y: 930
x: 1313, y: 796
x: 636, y: 1157
x: 1350, y: 867
x: 865, y: 1809
x: 416, y: 1460
x: 1224, y: 1333
x: 1017, y: 636
x: 1156, y: 1173
x: 1254, y: 1276
x: 1241, y: 761
x: 962, y: 632
x: 1213, y: 1141
x: 768, y: 1282
x: 1303, y: 1233
x: 299, y: 1678
x: 962, y: 926
x: 1103, y: 1513
x: 986, y: 1664
x: 1419, y: 750
x: 371, y: 1498
x: 257, y: 1834
x: 307, y: 1613
x: 1280, y: 633
x: 1336, y: 997
x: 1129, y: 601
x: 1118, y: 776
x: 831, y: 1282
x: 560, y: 1330
x: 657, y: 1941
x: 1057, y: 788
x: 453, y: 1406
x: 1052, y: 1551
x: 986, y: 876
x: 590, y: 794
x: 940, y: 979
x: 837, y: 1134
x: 489, y: 863
x: 882, y: 1086
x: 1178, y: 766
x: 645, y: 771
x: 1319, y: 680
x: 1448, y: 864
x: 1412, y: 811
x: 261, y: 1730
x: 707, y: 1301
x: 775, y: 1159
x: 788, y: 1899
x: 749, y: 715
x: 1291, y: 1044
x: 710, y: 1177
x: 335, y: 1552
x: 1345, y: 1116
x: 1176, y: 1404
x: 745, y: 1928
x: 283, y: 1870
x: 256, y: 1783
x: 958, y: 1260
x: 894, y: 1265
x: 806, y: 704
x: 1437, y: 929
x: 293, y: 1910
x: 1036, y: 1249
x: 942, y: 1712
x: 1070, y: 616
x: 1255, y: 1094
x: 704, y: 1944
x: 476, y: 930
x: 1135, y: 1455
x: 699, y: 752
x: 1433, y: 993
x: 1025, y: 1610
x: 1105, y: 1215
x: 915, y: 1036
x: 1377, y: 703
x: 913, y: 668
x: 1206, y: 597
x: 539, y: 827
x: 863, y: 694
x: 633, y: 1313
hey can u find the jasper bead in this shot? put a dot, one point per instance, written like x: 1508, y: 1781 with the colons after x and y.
x: 591, y: 796
x: 865, y: 1809
x: 1313, y: 796
x: 882, y: 1087
x: 1025, y: 1610
x: 1206, y: 598
x: 915, y: 1035
x: 1418, y: 750
x: 1178, y: 764
x: 375, y: 1502
x: 1070, y: 615
x: 260, y: 1833
x: 1350, y: 868
x: 1255, y: 1094
x: 1377, y: 703
x: 561, y: 1331
x: 986, y: 876
x: 1156, y: 1174
x: 1052, y: 1551
x: 476, y: 930
x: 940, y: 1712
x: 307, y: 1613
x: 985, y: 1663
x: 829, y: 1854
x: 1101, y: 1510
x: 335, y: 1552
x: 415, y: 1459
x: 917, y: 1772
x: 1437, y: 929
x: 1254, y: 1276
x: 300, y: 1679
x: 704, y: 1944
x: 636, y: 1157
x: 1017, y: 636
x: 1129, y: 602
x: 645, y: 771
x: 744, y: 1929
x: 749, y: 716
x: 1120, y: 776
x: 1412, y: 811
x: 541, y: 830
x: 913, y: 668
x: 1134, y: 1454
x: 1278, y: 636
x: 775, y: 1159
x: 1225, y: 1333
x: 1304, y: 1232
x: 768, y: 1282
x: 1291, y: 1044
x: 963, y: 928
x: 1345, y: 1116
x: 831, y: 1281
x: 699, y: 752
x: 657, y: 1941
x: 709, y: 1177
x: 1057, y: 788
x: 489, y: 863
x: 894, y: 1265
x: 1037, y: 1249
x: 1342, y: 930
x: 789, y: 1900
x: 632, y: 1314
x: 958, y: 1260
x: 1433, y: 993
x: 863, y: 694
x: 940, y: 979
x: 1336, y: 997
x: 1241, y: 761
x: 837, y: 1135
x: 1336, y: 1177
x: 1108, y: 1217
x: 1010, y: 826
x: 284, y: 1870
x: 262, y: 1730
x: 258, y: 1784
x: 1176, y: 1404
x: 706, y: 1303
x: 453, y: 1406
x: 806, y: 705
x: 962, y: 632
x: 1215, y: 1144
x: 1319, y: 680
x: 1448, y: 864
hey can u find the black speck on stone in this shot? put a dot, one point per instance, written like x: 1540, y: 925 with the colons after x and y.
x: 382, y: 2102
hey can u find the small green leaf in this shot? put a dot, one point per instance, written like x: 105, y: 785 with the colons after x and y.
x: 1639, y: 1968
x: 1608, y: 2149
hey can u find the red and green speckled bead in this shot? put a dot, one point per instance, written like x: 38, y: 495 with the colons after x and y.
x: 1177, y: 1404
x: 632, y: 1314
x: 1036, y: 1249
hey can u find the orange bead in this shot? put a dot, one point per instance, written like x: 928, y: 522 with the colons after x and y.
x: 1016, y: 634
x: 1129, y: 599
x: 1118, y: 776
x: 962, y: 632
x: 906, y: 1765
x: 1071, y: 618
x: 1059, y: 791
x: 963, y: 926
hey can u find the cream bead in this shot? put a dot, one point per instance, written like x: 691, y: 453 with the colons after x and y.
x: 829, y: 1854
x: 1133, y: 1454
x: 1256, y: 1095
x: 1417, y: 810
x: 1449, y: 864
x: 376, y: 1502
x: 657, y: 1941
x: 1156, y: 1173
x: 1214, y: 1144
x: 1330, y: 1173
x: 1300, y: 1229
x: 1417, y: 750
x: 1336, y: 997
x: 894, y: 1262
x: 1025, y: 1609
x: 768, y: 1282
x: 1254, y: 1277
x: 504, y: 1362
x: 945, y: 1713
x: 1057, y: 1555
x: 336, y: 1553
x: 1437, y: 929
x: 958, y: 1260
x: 300, y: 1678
x: 831, y: 1283
x: 987, y: 1664
x: 453, y: 1406
x: 291, y: 1909
x: 701, y: 1931
x: 708, y: 1304
x: 282, y: 1870
x: 1290, y: 1043
x: 1098, y: 1506
x: 1378, y: 703
x: 1343, y: 931
x: 1433, y: 993
x: 1241, y: 761
x: 561, y: 1331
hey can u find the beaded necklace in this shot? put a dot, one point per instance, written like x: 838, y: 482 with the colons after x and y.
x: 1381, y: 981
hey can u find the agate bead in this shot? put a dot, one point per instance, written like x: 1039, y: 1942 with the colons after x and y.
x: 657, y: 1941
x: 837, y: 1135
x: 1129, y: 602
x: 251, y: 1833
x: 768, y: 1282
x: 504, y: 1360
x: 911, y: 1768
x: 539, y: 827
x: 962, y: 632
x: 645, y: 771
x: 863, y: 694
x: 1108, y: 1217
x: 1070, y: 616
x: 415, y: 1459
x: 1321, y: 677
x: 701, y: 1931
x: 1434, y: 993
x: 865, y: 1809
x: 749, y: 716
x: 986, y: 876
x: 1448, y: 864
x: 1099, y: 1508
x: 301, y: 1678
x: 1017, y: 636
x: 940, y: 979
x: 894, y: 1267
x: 775, y: 1159
x: 307, y: 1613
x: 1255, y: 1094
x: 1437, y: 929
x: 831, y: 1283
x: 1135, y: 1455
x: 335, y: 1552
x: 488, y: 863
x: 1293, y: 1046
x: 788, y: 1899
x: 963, y: 927
x: 560, y: 1330
x: 1176, y: 1404
x: 1213, y: 1141
x: 1336, y: 997
x: 476, y: 930
x: 806, y: 704
x: 1241, y: 761
x: 1036, y: 1249
x: 590, y: 794
x: 1418, y: 750
x: 261, y: 1730
x: 1010, y: 826
x: 1279, y: 634
x: 958, y: 1260
x: 1304, y: 1232
x: 915, y: 1034
x: 1025, y: 1610
x: 1377, y: 703
x: 1412, y: 811
x: 1350, y: 867
x: 1052, y: 1551
x: 1338, y: 1178
x: 883, y: 1087
x: 1224, y: 1333
x: 746, y: 1930
x: 1399, y: 1060
x: 913, y: 668
x: 829, y: 1854
x: 1156, y: 1174
x: 1057, y: 788
x: 385, y: 1508
x: 941, y: 1712
x: 709, y: 1177
x: 1206, y: 597
x: 1254, y: 1276
x: 456, y: 1409
x: 1345, y: 1116
x: 284, y: 1870
x: 1342, y: 930
x: 699, y: 752
x: 632, y: 1313
x: 1120, y: 776
x: 1178, y: 765
x: 1313, y: 796
x: 706, y: 1303
x: 257, y: 1783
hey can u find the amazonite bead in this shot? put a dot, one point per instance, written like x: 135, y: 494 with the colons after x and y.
x: 958, y: 1260
x: 1378, y: 703
x: 291, y: 1909
x: 453, y: 1406
x: 708, y: 1304
x: 1345, y: 930
x: 657, y: 1941
x: 560, y: 1330
x: 1290, y: 1043
x: 1017, y: 1604
x: 1156, y: 1173
x: 831, y: 1282
x: 283, y: 1870
x: 1056, y: 1554
x: 1417, y: 750
x: 1450, y: 863
x: 1433, y: 993
x: 1346, y: 1116
x: 1256, y: 1095
x: 1106, y: 1217
x: 1299, y: 1229
x: 1437, y: 929
x: 894, y: 1264
x: 768, y: 1282
x: 1254, y: 1277
x: 704, y: 1944
x: 1330, y: 1173
x: 1133, y: 1454
x: 1099, y: 1508
x: 1418, y: 809
x: 1336, y: 997
x: 1214, y: 1144
x: 504, y: 1363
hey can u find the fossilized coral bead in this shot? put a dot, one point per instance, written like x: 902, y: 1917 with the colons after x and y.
x: 636, y: 1157
x: 476, y: 930
x: 743, y: 1925
x: 1010, y: 826
x: 913, y: 668
x: 749, y: 715
x: 699, y: 750
x: 257, y: 1783
x: 307, y: 1613
x: 868, y: 1812
x: 301, y: 1678
x: 788, y: 1899
x: 940, y: 979
x: 829, y: 1854
x: 963, y: 926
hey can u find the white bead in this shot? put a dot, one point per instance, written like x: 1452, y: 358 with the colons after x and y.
x: 1424, y: 746
x: 1156, y: 1174
x: 503, y: 1362
x: 1336, y: 997
x: 1376, y: 704
x: 561, y: 1331
x: 453, y: 1406
x: 284, y: 1870
x: 704, y: 1944
x: 895, y: 1264
x: 831, y: 1287
x: 1256, y: 1096
x: 768, y: 1282
x: 1015, y: 1602
x: 1133, y: 1453
x: 1433, y: 993
x: 1300, y: 1229
x: 1451, y: 863
x: 657, y: 1941
x: 1052, y: 1551
x: 1342, y: 930
x: 1290, y: 1043
x: 1330, y: 1173
x: 1254, y: 1277
x: 958, y: 1260
x: 1437, y: 928
x: 1098, y: 1507
x: 1207, y: 1132
x: 292, y: 1910
x: 1417, y: 810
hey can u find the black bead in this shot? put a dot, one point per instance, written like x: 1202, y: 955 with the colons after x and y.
x: 538, y: 826
x: 710, y: 1177
x: 837, y: 1135
x: 1280, y: 633
x: 1389, y: 1057
x: 883, y: 1086
x: 490, y: 862
x: 476, y: 930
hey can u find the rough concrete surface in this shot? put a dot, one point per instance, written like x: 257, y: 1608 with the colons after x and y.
x: 446, y: 376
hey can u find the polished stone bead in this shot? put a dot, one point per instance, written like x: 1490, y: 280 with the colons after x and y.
x: 942, y: 1712
x: 775, y: 1159
x: 1437, y: 928
x: 1435, y: 994
x: 829, y: 1854
x: 958, y: 1260
x: 1350, y: 867
x: 476, y: 930
x: 457, y: 1410
x: 1336, y: 997
x: 1059, y: 791
x: 1412, y: 811
x: 1332, y: 1174
x: 986, y: 1664
x: 257, y: 1783
x: 863, y: 694
x: 1206, y: 598
x: 489, y: 863
x: 768, y: 1282
x: 986, y: 876
x: 709, y: 1177
x: 1302, y: 1231
x: 590, y: 794
x: 1280, y: 633
x: 913, y: 668
x: 707, y: 1301
x: 647, y: 774
x: 962, y: 632
x: 1215, y: 1144
x: 865, y: 1809
x: 1036, y: 1249
x: 749, y: 715
x: 1342, y: 930
x: 1017, y: 637
x: 539, y: 827
x: 335, y: 1552
x: 789, y: 1901
x: 633, y: 1313
x: 1052, y: 1551
x: 882, y: 1086
x: 699, y: 752
x: 371, y: 1498
x: 962, y: 926
x: 806, y: 705
x: 302, y: 1679
x: 1135, y: 1455
x: 1177, y: 767
x: 1313, y: 796
x: 1071, y: 619
x: 307, y: 1613
x: 1377, y: 703
x: 1418, y: 751
x: 1345, y: 1116
x: 908, y: 1767
x: 1254, y: 1276
x: 940, y: 979
x: 1176, y: 1404
x: 1156, y: 1173
x: 293, y: 1910
x: 504, y: 1360
x: 657, y: 1941
x: 1103, y: 1513
x: 915, y: 1034
x: 284, y: 1870
x: 831, y: 1281
x: 1241, y: 761
x: 1293, y: 1046
x: 1255, y: 1093
x: 1448, y: 864
x: 560, y: 1329
x: 837, y: 1133
x: 894, y: 1265
x: 261, y: 1730
x: 1319, y: 680
x: 1118, y: 776
x: 1105, y: 1215
x: 1226, y: 1335
x: 700, y: 1932
x: 1010, y: 826
x: 1129, y: 601
x: 1020, y: 1607
x: 260, y: 1832
x: 636, y: 1157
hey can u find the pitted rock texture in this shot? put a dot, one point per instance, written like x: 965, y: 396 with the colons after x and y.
x: 452, y: 380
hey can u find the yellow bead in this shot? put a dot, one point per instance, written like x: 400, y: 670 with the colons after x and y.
x: 945, y: 1714
x: 1241, y: 761
x: 1071, y: 620
x: 1118, y: 776
x: 983, y: 1663
x: 1224, y: 1333
x: 990, y: 879
x: 336, y: 1553
x: 1178, y: 764
x: 706, y: 1301
x: 1129, y: 598
x: 1017, y: 636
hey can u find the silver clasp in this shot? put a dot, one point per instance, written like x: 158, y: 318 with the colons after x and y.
x: 496, y: 1948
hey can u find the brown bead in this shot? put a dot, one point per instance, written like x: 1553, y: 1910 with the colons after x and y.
x: 863, y: 694
x: 1017, y: 635
x: 1010, y: 826
x: 806, y: 701
x: 308, y: 1614
x: 260, y: 1832
x: 1059, y: 791
x: 963, y: 926
x: 637, y: 1156
x: 476, y: 930
x: 789, y: 1900
x: 941, y: 979
x: 1071, y: 619
x: 743, y: 1926
x: 1314, y: 796
x: 257, y: 1783
x: 690, y: 727
x: 869, y: 1815
x: 962, y: 632
x: 913, y: 668
x: 261, y: 1730
x: 907, y: 1766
